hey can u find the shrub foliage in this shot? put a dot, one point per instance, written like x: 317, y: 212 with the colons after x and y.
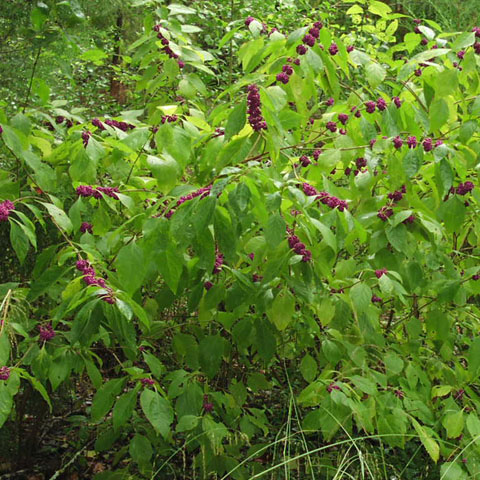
x: 289, y: 259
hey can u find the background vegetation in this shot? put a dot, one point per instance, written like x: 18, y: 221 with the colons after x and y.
x: 186, y: 294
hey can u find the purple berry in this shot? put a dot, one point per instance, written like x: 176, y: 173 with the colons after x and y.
x: 370, y: 106
x: 301, y: 49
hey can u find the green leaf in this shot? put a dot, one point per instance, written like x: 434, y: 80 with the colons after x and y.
x: 157, y: 410
x: 473, y: 424
x: 60, y: 217
x: 282, y: 310
x: 187, y: 422
x: 452, y: 471
x: 379, y: 8
x: 170, y: 266
x: 124, y: 407
x: 178, y: 9
x: 105, y: 397
x: 446, y: 82
x: 364, y: 384
x: 452, y: 212
x: 412, y: 162
x: 474, y: 357
x: 4, y: 348
x: 327, y: 234
x: 361, y: 296
x: 130, y: 267
x: 94, y: 150
x: 164, y: 170
x: 236, y: 120
x: 438, y: 114
x: 454, y: 423
x: 308, y: 368
x: 140, y: 449
x: 375, y: 74
x: 215, y: 432
x: 210, y: 354
x: 19, y: 241
x: 330, y: 158
x: 47, y: 279
x: 275, y: 231
x: 431, y: 446
x: 464, y: 40
x: 440, y: 390
x: 94, y: 55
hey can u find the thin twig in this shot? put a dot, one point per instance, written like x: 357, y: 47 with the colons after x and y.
x: 29, y: 91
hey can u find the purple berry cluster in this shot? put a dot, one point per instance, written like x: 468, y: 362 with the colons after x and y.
x: 166, y: 45
x: 201, y: 192
x: 332, y: 126
x: 86, y: 227
x: 332, y: 387
x: 169, y: 118
x: 4, y: 373
x: 463, y: 188
x: 124, y: 126
x: 46, y: 332
x: 324, y: 197
x: 89, y: 191
x: 397, y: 195
x: 90, y: 278
x: 254, y: 111
x: 310, y: 39
x: 298, y: 247
x: 207, y: 406
x: 381, y: 272
x: 376, y: 299
x: 304, y: 161
x: 285, y: 74
x: 385, y: 213
x: 333, y: 49
x: 60, y: 119
x: 147, y: 382
x: 250, y: 19
x: 219, y: 260
x: 86, y: 137
x: 5, y: 208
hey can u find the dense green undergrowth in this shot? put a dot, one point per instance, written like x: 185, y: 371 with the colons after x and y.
x: 267, y: 268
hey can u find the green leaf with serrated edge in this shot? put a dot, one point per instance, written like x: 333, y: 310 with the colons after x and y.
x: 164, y: 170
x: 105, y: 397
x: 19, y: 241
x: 140, y: 449
x: 210, y: 354
x: 157, y: 410
x: 438, y: 114
x: 124, y: 407
x: 474, y: 357
x: 275, y: 231
x: 59, y: 216
x: 361, y: 296
x: 453, y: 424
x: 187, y: 422
x: 130, y: 267
x: 431, y: 446
x: 236, y: 120
x: 308, y: 368
x: 375, y: 74
x: 282, y: 310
